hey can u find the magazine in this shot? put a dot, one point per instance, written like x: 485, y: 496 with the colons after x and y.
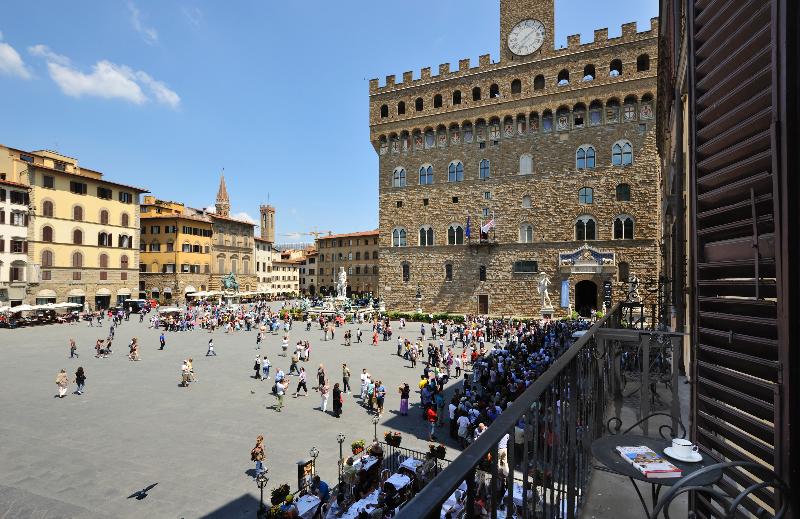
x: 649, y: 463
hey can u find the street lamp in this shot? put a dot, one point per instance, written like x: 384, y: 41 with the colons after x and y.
x: 314, y: 452
x: 340, y: 438
x: 261, y: 480
x: 375, y: 420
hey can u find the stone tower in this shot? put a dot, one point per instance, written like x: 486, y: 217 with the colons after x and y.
x: 223, y: 203
x: 267, y: 223
x: 535, y: 24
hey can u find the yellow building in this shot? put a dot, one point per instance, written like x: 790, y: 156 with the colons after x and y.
x: 82, y: 230
x: 175, y: 250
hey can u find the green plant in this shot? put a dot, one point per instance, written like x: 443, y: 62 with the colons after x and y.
x: 575, y: 315
x: 358, y: 446
x: 393, y: 438
x: 279, y: 493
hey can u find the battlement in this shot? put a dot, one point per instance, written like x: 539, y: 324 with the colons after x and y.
x: 629, y: 34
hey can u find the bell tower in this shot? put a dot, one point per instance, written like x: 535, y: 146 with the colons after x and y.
x: 516, y: 12
x: 223, y: 203
x: 267, y: 223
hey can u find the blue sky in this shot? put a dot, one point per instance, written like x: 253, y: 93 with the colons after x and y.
x: 166, y: 94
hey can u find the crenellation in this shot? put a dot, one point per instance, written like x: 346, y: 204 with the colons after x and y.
x: 408, y: 76
x: 464, y: 64
x: 444, y: 69
x: 390, y: 81
x: 629, y: 29
x: 484, y: 60
x: 374, y: 85
x: 425, y: 73
x: 573, y: 41
x: 601, y: 35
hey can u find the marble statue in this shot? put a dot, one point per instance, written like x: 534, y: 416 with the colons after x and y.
x: 341, y: 284
x: 543, y: 283
x: 633, y: 289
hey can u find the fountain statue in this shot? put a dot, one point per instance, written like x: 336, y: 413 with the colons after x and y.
x: 341, y: 284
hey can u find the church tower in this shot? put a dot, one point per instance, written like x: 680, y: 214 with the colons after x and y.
x: 527, y: 29
x: 223, y: 203
x: 267, y: 223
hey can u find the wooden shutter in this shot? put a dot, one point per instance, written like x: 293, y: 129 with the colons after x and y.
x: 740, y: 326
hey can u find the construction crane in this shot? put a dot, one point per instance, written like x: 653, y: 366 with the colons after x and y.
x: 315, y: 234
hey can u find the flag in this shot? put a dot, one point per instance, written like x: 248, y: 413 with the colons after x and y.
x: 487, y: 226
x: 466, y: 231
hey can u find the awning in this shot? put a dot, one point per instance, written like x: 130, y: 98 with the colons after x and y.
x: 189, y: 288
x: 103, y: 292
x: 76, y: 292
x: 123, y: 292
x: 46, y: 293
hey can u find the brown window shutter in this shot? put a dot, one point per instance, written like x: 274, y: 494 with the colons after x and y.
x: 25, y: 247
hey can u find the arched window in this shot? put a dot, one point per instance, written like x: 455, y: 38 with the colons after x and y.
x: 629, y: 108
x: 579, y: 115
x: 485, y: 169
x: 406, y: 272
x: 494, y: 91
x: 623, y: 227
x: 186, y: 247
x: 516, y: 86
x: 547, y: 121
x: 426, y: 175
x: 526, y: 233
x: 125, y: 220
x: 615, y: 68
x: 419, y: 104
x: 476, y: 94
x: 437, y: 101
x: 77, y: 260
x: 77, y: 237
x: 104, y: 261
x: 588, y: 72
x: 47, y: 209
x: 384, y: 111
x: 622, y: 153
x: 525, y: 164
x: 623, y: 193
x: 47, y: 258
x: 526, y: 202
x: 399, y: 237
x: 399, y: 178
x: 401, y: 108
x: 612, y: 111
x: 538, y: 82
x: 448, y: 272
x: 455, y: 172
x: 374, y: 255
x: 563, y: 77
x: 642, y: 63
x: 77, y: 213
x: 103, y: 217
x: 102, y: 239
x: 457, y: 97
x: 455, y: 234
x: 585, y: 228
x: 585, y: 195
x: 426, y: 236
x: 47, y: 234
x: 595, y: 113
x: 123, y: 262
x: 585, y: 157
x: 623, y: 271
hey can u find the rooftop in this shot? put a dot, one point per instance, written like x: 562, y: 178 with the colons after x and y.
x: 350, y: 235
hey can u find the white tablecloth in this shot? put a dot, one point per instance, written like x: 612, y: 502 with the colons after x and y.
x: 399, y: 481
x: 452, y: 504
x: 365, y: 464
x: 356, y: 507
x: 307, y: 505
x: 411, y: 464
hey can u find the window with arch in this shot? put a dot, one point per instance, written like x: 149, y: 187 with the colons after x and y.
x: 47, y: 209
x: 406, y: 268
x: 426, y: 175
x: 77, y: 260
x: 538, y: 82
x: 457, y: 97
x: 563, y: 77
x: 623, y: 271
x: 585, y: 228
x: 595, y: 113
x: 585, y: 195
x: 47, y: 258
x: 526, y: 202
x: 399, y: 178
x: 547, y: 121
x: 125, y: 220
x: 585, y: 157
x: 77, y: 213
x: 642, y: 63
x: 104, y: 239
x: 399, y: 237
x: 401, y: 108
x: 623, y: 193
x: 526, y: 164
x: 476, y: 94
x: 448, y: 272
x: 123, y: 262
x: 588, y: 72
x: 615, y: 68
x: 77, y: 237
x: 419, y: 104
x: 104, y: 261
x: 623, y: 227
x: 485, y: 169
x: 526, y: 233
x: 516, y: 86
x: 455, y: 234
x: 374, y: 254
x: 494, y: 91
x: 186, y: 247
x: 47, y: 234
x: 384, y: 111
x: 437, y: 101
x: 426, y: 236
x: 104, y: 217
x: 629, y: 108
x: 455, y: 172
x: 622, y: 153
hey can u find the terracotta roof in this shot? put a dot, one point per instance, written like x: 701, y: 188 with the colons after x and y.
x: 350, y: 235
x: 14, y: 184
x: 214, y: 215
x: 259, y: 238
x: 139, y: 189
x: 144, y: 216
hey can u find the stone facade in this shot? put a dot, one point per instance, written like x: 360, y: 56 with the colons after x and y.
x: 14, y: 274
x: 518, y: 156
x: 263, y: 270
x: 357, y: 253
x: 233, y: 245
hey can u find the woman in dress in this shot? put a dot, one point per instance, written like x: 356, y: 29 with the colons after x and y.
x: 337, y: 400
x: 323, y: 392
x: 405, y: 392
x: 321, y: 378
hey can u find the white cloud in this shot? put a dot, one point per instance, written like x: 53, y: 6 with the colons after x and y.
x: 11, y: 63
x: 106, y: 79
x: 148, y: 34
x: 193, y: 15
x: 244, y: 216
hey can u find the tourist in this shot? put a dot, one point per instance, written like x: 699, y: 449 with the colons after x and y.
x: 163, y: 340
x: 280, y: 389
x: 337, y: 400
x: 288, y: 508
x: 370, y: 394
x: 364, y: 381
x: 185, y: 377
x: 430, y: 416
x: 380, y: 396
x: 61, y: 382
x: 73, y: 350
x: 345, y: 378
x: 265, y: 365
x: 321, y: 377
x: 405, y: 393
x: 257, y: 368
x: 358, y: 335
x: 190, y: 367
x: 210, y: 352
x: 80, y: 380
x: 133, y: 354
x: 293, y: 369
x: 258, y: 340
x: 301, y: 382
x: 285, y: 344
x: 323, y: 392
x: 375, y: 338
x: 257, y: 454
x: 320, y: 489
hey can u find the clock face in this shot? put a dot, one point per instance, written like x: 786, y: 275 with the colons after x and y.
x: 526, y: 37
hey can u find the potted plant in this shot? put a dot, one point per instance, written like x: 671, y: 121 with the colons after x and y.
x: 279, y: 494
x: 437, y: 451
x: 392, y: 438
x: 358, y: 446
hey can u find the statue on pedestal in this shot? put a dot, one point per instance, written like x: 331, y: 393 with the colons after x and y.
x: 543, y: 283
x: 341, y: 284
x: 229, y: 283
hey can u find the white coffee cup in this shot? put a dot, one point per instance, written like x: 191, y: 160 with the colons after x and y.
x: 683, y: 448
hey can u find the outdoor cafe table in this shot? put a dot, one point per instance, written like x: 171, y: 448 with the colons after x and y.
x: 307, y: 506
x: 605, y: 451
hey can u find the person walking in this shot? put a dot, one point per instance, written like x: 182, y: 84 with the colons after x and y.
x: 345, y: 378
x: 380, y: 396
x: 337, y: 400
x: 364, y: 380
x: 62, y: 381
x: 257, y: 368
x: 80, y: 380
x: 321, y: 377
x: 258, y: 340
x: 265, y: 365
x: 293, y: 370
x: 280, y: 389
x: 211, y: 352
x: 405, y: 393
x: 323, y: 392
x: 257, y: 454
x: 301, y: 382
x: 430, y: 415
x: 163, y: 340
x: 73, y: 350
x: 285, y: 344
x: 358, y: 335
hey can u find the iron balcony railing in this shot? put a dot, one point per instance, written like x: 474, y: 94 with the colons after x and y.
x: 562, y: 412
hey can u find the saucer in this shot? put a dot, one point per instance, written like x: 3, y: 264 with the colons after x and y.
x: 694, y: 458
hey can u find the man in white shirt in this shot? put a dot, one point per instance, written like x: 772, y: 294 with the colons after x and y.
x: 364, y: 381
x: 463, y: 424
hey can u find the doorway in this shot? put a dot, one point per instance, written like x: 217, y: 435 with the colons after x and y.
x: 483, y: 304
x: 585, y: 298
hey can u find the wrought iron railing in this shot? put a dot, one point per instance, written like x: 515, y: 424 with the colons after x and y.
x: 561, y: 413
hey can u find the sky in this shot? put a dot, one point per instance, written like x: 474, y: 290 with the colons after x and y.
x: 165, y: 94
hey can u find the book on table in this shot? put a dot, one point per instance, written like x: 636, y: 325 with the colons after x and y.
x: 649, y: 463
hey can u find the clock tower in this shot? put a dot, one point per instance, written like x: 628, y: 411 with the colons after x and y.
x: 526, y: 29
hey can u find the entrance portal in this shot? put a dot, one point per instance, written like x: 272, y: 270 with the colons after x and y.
x: 483, y: 304
x: 585, y: 298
